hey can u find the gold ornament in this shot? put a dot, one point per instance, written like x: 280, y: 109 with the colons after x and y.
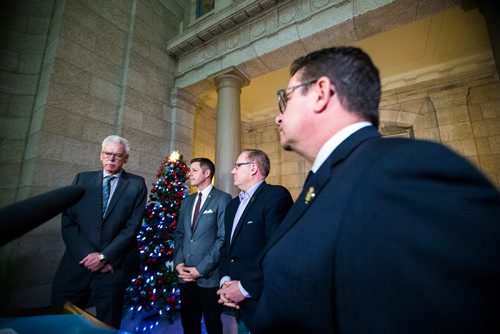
x: 310, y: 195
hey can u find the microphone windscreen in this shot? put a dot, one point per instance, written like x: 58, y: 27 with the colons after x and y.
x: 21, y: 217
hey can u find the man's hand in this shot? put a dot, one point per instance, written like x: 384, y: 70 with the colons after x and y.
x: 180, y: 268
x: 107, y: 268
x: 230, y: 294
x: 187, y: 274
x: 91, y: 262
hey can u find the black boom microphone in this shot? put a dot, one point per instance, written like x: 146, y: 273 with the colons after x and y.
x: 21, y: 217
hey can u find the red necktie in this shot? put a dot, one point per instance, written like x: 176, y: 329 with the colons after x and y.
x: 196, y: 212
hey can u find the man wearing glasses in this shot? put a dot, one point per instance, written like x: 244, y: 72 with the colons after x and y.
x: 250, y: 220
x: 99, y: 233
x: 388, y: 235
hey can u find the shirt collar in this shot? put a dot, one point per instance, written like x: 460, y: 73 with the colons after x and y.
x: 206, y: 191
x: 246, y: 195
x: 331, y: 144
x: 117, y: 175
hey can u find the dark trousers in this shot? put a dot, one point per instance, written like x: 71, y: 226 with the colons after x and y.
x: 107, y: 298
x: 195, y: 302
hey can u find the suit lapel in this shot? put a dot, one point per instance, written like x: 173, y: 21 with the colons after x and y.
x: 203, y: 207
x: 251, y: 201
x: 319, y: 180
x: 188, y: 213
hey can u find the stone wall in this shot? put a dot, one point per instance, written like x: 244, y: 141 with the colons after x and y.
x: 98, y: 68
x: 204, y: 133
x: 462, y: 111
x: 27, y: 35
x: 287, y: 168
x: 24, y: 33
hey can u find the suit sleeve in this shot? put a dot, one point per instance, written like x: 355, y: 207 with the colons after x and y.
x: 76, y: 243
x: 116, y: 250
x: 211, y: 260
x: 278, y: 204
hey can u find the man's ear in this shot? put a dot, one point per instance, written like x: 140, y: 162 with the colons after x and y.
x: 206, y: 173
x: 324, y: 89
x: 254, y: 169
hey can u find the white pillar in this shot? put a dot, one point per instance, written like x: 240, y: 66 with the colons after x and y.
x: 228, y: 144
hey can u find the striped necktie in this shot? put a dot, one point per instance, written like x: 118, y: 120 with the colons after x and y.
x: 106, y: 190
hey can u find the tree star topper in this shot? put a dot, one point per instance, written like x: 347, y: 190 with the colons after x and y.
x: 175, y: 156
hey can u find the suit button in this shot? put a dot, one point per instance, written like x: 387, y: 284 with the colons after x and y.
x: 232, y: 260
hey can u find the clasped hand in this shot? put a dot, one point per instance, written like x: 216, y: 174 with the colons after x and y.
x: 187, y: 274
x: 92, y: 263
x: 230, y: 294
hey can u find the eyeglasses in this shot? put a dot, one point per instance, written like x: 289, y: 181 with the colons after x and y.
x: 282, y: 94
x: 117, y: 156
x: 238, y: 164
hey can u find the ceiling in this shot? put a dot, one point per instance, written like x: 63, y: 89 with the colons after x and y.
x: 451, y: 40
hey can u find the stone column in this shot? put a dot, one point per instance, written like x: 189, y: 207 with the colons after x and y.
x: 183, y: 106
x: 229, y: 84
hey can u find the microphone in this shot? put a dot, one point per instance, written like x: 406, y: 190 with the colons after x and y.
x: 21, y: 217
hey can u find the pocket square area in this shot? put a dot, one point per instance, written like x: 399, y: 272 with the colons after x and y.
x: 208, y: 211
x: 250, y: 222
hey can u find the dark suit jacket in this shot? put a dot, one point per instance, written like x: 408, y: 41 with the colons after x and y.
x: 264, y: 212
x: 403, y: 236
x: 200, y: 248
x: 85, y: 230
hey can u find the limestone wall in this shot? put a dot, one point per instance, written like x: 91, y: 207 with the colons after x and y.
x: 75, y: 72
x: 462, y: 111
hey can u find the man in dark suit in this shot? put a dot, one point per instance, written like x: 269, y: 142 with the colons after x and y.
x: 99, y: 233
x: 251, y: 219
x: 388, y: 235
x: 198, y: 237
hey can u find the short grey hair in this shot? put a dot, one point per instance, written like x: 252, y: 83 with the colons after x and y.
x: 117, y: 140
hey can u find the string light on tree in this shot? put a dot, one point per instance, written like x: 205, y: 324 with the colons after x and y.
x: 155, y: 288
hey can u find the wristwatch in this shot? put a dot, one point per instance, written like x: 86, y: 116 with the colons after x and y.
x: 102, y: 258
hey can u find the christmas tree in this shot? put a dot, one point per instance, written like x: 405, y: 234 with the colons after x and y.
x: 155, y: 289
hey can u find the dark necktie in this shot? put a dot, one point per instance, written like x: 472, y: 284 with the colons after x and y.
x: 106, y: 190
x: 196, y: 212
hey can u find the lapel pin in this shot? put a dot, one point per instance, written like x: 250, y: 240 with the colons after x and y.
x: 310, y: 195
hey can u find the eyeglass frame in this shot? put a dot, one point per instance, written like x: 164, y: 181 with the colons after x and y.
x: 239, y: 164
x: 282, y: 94
x: 117, y: 156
